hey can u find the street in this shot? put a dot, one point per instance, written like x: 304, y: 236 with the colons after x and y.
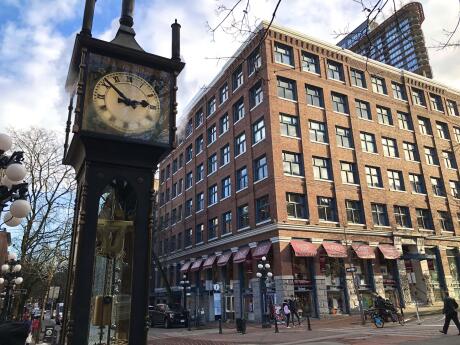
x: 341, y: 331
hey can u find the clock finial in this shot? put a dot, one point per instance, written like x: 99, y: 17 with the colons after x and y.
x: 126, y: 33
x: 127, y: 10
x: 88, y: 17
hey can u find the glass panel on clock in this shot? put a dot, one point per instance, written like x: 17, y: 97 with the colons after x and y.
x: 113, y: 265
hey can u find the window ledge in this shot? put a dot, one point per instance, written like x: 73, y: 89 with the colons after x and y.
x: 372, y: 153
x: 359, y: 87
x: 364, y: 119
x: 322, y: 180
x: 251, y: 109
x: 240, y: 190
x: 288, y: 99
x: 419, y: 105
x: 440, y: 196
x: 211, y: 143
x: 225, y: 198
x: 244, y: 229
x: 262, y: 179
x: 261, y: 140
x: 351, y: 184
x: 404, y: 228
x: 416, y: 193
x: 386, y: 124
x: 199, y: 211
x: 392, y: 157
x: 289, y: 136
x: 397, y: 191
x: 212, y: 239
x: 346, y: 148
x: 314, y: 73
x: 199, y: 181
x: 188, y: 247
x: 296, y: 176
x: 199, y: 153
x: 188, y: 216
x: 401, y: 99
x: 301, y: 219
x: 238, y: 87
x: 199, y: 243
x: 340, y: 113
x: 315, y: 106
x: 319, y: 142
x: 201, y: 124
x: 357, y: 224
x: 433, y: 165
x: 238, y: 120
x: 223, y: 165
x: 209, y: 206
x: 242, y: 153
x: 407, y: 130
x: 284, y: 64
x: 212, y: 173
x: 372, y: 187
x: 266, y: 221
x: 380, y: 93
x: 328, y: 222
x: 226, y: 234
x: 382, y: 226
x: 340, y: 81
x: 211, y: 114
x: 221, y: 134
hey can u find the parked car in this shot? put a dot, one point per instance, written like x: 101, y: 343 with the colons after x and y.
x: 167, y: 315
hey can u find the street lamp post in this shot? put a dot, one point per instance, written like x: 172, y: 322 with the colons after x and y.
x: 10, y: 278
x: 263, y: 273
x: 185, y: 284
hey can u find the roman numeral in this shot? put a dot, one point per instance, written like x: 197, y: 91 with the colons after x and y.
x: 148, y: 117
x: 103, y: 107
x: 129, y: 79
x: 104, y: 82
x: 150, y: 95
x: 99, y: 96
x: 116, y: 79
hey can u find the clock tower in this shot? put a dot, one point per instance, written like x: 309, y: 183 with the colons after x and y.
x: 121, y: 123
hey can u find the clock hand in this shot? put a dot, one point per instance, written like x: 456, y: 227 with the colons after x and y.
x: 122, y: 95
x: 143, y: 103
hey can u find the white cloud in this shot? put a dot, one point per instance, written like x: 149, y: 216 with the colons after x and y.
x: 35, y: 53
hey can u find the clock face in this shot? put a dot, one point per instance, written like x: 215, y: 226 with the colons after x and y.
x: 126, y: 102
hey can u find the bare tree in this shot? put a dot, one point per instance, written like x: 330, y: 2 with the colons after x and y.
x: 43, y: 240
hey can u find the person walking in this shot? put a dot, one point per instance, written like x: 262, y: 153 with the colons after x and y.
x: 450, y: 311
x: 287, y: 312
x: 293, y: 308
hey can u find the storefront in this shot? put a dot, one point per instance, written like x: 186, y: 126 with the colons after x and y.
x: 361, y: 259
x: 436, y: 280
x: 453, y: 260
x: 226, y: 270
x: 245, y: 274
x: 389, y: 270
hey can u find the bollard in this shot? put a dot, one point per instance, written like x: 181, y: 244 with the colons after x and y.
x: 308, y: 322
x: 220, y: 326
x: 276, y: 325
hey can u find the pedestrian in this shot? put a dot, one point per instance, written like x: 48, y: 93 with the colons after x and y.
x: 36, y: 329
x: 287, y: 312
x: 450, y: 311
x: 293, y: 308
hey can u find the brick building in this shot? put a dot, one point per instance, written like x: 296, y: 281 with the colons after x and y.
x: 320, y: 160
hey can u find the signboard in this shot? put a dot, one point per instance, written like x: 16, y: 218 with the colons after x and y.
x: 217, y: 304
x: 216, y: 287
x: 48, y: 334
x: 54, y: 292
x: 351, y: 269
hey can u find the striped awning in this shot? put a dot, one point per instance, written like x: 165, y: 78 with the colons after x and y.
x: 209, y: 262
x: 241, y: 255
x: 389, y: 251
x: 185, y: 267
x: 224, y: 258
x: 261, y: 250
x: 363, y: 251
x: 304, y: 248
x: 196, y: 265
x: 335, y: 250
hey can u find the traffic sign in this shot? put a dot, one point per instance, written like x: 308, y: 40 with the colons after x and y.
x: 351, y: 269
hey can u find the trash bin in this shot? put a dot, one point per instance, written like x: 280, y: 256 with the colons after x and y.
x: 13, y: 333
x: 241, y: 325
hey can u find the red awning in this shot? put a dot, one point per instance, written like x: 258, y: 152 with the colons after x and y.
x: 389, y: 251
x: 335, y: 250
x: 363, y: 251
x: 196, y: 265
x: 304, y: 248
x: 185, y: 267
x: 241, y: 255
x: 223, y: 259
x: 209, y: 262
x: 262, y: 249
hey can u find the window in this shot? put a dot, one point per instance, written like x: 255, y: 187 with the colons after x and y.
x: 438, y: 186
x: 410, y: 152
x: 455, y: 189
x: 379, y: 214
x: 390, y: 148
x: 179, y: 213
x: 373, y: 177
x: 212, y: 134
x: 395, y: 180
x: 322, y: 168
x: 199, y: 173
x: 237, y: 77
x: 174, y: 166
x: 314, y: 96
x: 212, y: 106
x: 368, y: 142
x: 188, y: 238
x: 402, y: 216
x: 357, y: 78
x: 417, y: 184
x: 363, y: 110
x: 241, y: 178
x: 258, y: 131
x: 418, y: 97
x: 343, y: 137
x: 457, y: 134
x: 189, y: 127
x: 240, y: 144
x: 431, y: 156
x: 378, y: 85
x: 226, y: 222
x: 354, y: 211
x: 199, y: 143
x: 223, y: 124
x: 260, y: 168
x: 179, y: 241
x: 262, y: 209
x: 213, y: 228
x: 238, y: 110
x: 289, y: 126
x: 199, y: 229
x: 348, y: 172
x: 335, y: 70
x: 287, y: 89
x: 424, y: 125
x: 243, y: 216
x: 318, y: 132
x: 310, y: 62
x: 189, y: 180
x: 188, y: 207
x: 292, y: 163
x: 445, y: 220
x: 167, y: 194
x: 296, y: 206
x: 384, y: 116
x: 443, y: 130
x: 399, y: 92
x: 284, y: 54
x: 449, y: 160
x: 436, y: 102
x: 424, y: 220
x: 199, y: 202
x: 254, y: 61
x: 225, y: 155
x: 181, y: 160
x: 339, y: 103
x: 212, y: 195
x: 405, y: 121
x: 226, y: 189
x: 212, y: 164
x: 189, y: 153
x: 256, y: 95
x: 168, y: 171
x: 174, y: 190
x: 452, y: 107
x: 162, y: 175
x: 223, y: 93
x: 198, y: 118
x: 326, y: 209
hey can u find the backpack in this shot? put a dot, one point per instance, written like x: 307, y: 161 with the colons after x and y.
x: 286, y: 309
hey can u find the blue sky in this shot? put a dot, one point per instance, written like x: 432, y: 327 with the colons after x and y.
x: 36, y: 39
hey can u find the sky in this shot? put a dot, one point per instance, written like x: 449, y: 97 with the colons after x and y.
x: 36, y: 40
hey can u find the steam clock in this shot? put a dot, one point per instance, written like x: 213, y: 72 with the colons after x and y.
x: 121, y: 122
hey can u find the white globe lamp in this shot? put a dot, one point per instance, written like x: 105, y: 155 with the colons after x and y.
x: 16, y: 172
x: 20, y: 208
x: 5, y: 142
x: 18, y: 281
x: 9, y: 220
